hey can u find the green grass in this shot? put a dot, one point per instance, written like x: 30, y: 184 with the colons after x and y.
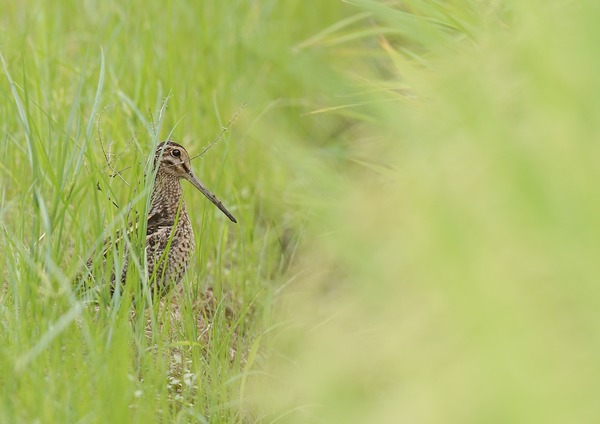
x: 415, y: 184
x: 81, y: 81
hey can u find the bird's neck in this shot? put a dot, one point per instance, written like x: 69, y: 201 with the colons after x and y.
x: 166, y: 201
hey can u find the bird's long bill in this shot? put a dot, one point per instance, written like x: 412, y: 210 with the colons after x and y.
x: 196, y: 183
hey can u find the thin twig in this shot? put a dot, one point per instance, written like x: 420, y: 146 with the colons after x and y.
x: 223, y: 131
x: 152, y: 124
x: 118, y: 173
x: 107, y: 196
x: 161, y: 111
x: 107, y: 155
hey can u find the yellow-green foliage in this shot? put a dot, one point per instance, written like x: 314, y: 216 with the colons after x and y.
x: 452, y: 267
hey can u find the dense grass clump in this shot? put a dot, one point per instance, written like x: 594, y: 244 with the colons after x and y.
x: 415, y: 188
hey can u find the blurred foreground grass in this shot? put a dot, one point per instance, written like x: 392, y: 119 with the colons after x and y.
x: 415, y: 183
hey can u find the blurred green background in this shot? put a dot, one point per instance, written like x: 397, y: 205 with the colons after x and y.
x: 414, y: 182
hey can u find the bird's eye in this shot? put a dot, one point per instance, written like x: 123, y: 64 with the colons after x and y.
x: 176, y: 153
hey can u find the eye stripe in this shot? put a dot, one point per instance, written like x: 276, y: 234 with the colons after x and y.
x: 173, y: 157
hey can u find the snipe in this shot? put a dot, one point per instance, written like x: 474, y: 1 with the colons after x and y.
x: 169, y: 234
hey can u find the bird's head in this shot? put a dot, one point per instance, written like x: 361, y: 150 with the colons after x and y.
x: 173, y: 160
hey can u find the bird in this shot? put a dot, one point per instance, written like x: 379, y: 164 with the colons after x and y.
x: 169, y: 233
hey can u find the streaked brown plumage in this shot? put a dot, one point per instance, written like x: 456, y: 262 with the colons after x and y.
x: 169, y: 233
